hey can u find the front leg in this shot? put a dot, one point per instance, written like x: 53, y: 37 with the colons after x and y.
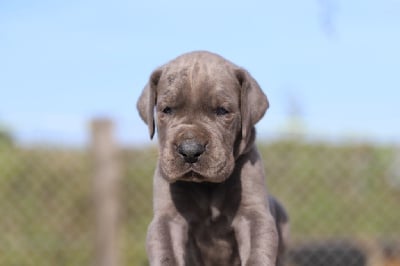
x: 257, y: 239
x: 165, y: 242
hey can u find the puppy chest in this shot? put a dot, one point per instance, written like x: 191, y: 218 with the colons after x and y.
x: 212, y: 242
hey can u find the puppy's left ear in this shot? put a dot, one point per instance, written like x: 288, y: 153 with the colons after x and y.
x: 147, y: 101
x: 253, y: 102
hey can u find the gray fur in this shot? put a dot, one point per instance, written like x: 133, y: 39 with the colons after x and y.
x: 211, y: 209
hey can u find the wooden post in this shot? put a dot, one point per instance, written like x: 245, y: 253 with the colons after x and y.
x: 105, y: 186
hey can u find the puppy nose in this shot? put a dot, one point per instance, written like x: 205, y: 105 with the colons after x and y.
x: 190, y: 150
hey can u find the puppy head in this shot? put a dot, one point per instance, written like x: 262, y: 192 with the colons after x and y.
x: 205, y: 112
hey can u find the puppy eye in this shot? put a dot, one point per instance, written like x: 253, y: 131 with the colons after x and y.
x: 167, y: 110
x: 221, y: 111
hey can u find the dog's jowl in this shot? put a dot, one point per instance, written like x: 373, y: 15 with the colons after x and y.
x: 210, y: 202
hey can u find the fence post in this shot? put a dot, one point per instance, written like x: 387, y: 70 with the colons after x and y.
x: 105, y: 186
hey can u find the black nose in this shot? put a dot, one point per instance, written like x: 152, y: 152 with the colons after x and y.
x: 191, y: 150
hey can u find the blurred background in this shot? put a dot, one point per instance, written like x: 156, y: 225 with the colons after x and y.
x: 76, y: 161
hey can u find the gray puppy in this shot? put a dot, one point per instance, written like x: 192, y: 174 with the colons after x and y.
x: 210, y: 202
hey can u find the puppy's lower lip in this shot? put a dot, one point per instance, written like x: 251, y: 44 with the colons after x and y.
x: 192, y: 176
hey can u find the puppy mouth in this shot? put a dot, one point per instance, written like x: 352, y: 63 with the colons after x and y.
x: 197, y: 177
x: 192, y: 176
x: 197, y: 172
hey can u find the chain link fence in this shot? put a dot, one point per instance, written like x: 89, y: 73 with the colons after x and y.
x: 343, y: 201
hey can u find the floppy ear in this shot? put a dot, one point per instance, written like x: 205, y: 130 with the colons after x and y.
x: 253, y: 102
x: 147, y: 101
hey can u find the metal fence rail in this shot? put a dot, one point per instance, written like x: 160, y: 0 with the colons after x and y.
x: 343, y: 201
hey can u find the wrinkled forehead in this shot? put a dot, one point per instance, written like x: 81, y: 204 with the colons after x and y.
x: 198, y: 81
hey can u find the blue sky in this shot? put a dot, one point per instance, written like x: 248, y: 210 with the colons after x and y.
x: 65, y: 62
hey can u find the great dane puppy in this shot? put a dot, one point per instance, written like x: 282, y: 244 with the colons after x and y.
x: 210, y: 202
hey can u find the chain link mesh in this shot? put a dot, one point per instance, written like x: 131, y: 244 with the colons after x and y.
x: 343, y: 201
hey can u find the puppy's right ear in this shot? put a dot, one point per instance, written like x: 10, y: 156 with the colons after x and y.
x: 147, y: 101
x: 253, y: 102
